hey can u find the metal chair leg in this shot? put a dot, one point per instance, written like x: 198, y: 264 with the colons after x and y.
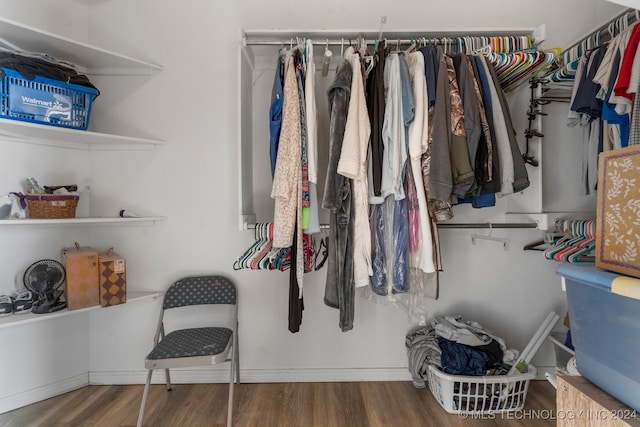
x: 231, y: 381
x: 166, y: 374
x: 236, y: 354
x: 144, y: 398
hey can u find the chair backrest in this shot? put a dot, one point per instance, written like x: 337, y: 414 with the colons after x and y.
x: 198, y: 290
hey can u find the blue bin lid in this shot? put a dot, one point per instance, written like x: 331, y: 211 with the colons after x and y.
x: 588, y: 275
x: 602, y: 279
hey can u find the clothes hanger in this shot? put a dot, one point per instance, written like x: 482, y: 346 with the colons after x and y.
x: 563, y: 226
x: 264, y: 248
x: 283, y: 260
x: 542, y: 244
x: 521, y: 62
x: 263, y: 263
x: 322, y: 251
x: 238, y: 264
x: 583, y: 241
x: 575, y: 237
x: 411, y: 47
x: 326, y: 60
x: 309, y: 250
x: 503, y: 240
x: 584, y: 253
x: 246, y: 261
x: 370, y: 62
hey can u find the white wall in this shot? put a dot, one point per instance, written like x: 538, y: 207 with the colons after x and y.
x: 51, y: 357
x: 192, y: 180
x: 67, y: 18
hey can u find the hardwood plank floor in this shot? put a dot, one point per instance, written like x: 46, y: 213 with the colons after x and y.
x: 278, y: 404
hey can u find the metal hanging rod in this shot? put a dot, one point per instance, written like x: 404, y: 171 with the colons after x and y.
x: 341, y: 37
x: 326, y: 42
x: 489, y: 225
x: 333, y: 42
x: 472, y: 225
x: 629, y: 13
x: 347, y: 41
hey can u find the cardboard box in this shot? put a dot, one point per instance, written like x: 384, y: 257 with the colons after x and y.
x: 113, y: 279
x: 81, y: 264
x: 618, y: 211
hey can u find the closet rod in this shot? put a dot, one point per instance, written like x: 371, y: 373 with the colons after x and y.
x: 456, y: 225
x: 346, y: 41
x: 489, y: 225
x: 604, y: 26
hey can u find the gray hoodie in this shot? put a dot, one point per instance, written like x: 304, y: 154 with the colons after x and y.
x: 339, y: 287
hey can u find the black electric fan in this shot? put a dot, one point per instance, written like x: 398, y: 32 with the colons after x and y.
x: 44, y: 278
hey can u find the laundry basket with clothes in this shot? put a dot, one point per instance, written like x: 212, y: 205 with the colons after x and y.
x: 456, y: 346
x: 465, y: 366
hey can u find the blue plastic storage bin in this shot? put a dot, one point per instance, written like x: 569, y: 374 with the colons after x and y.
x: 605, y: 329
x: 46, y: 101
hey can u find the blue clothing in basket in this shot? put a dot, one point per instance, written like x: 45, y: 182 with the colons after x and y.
x: 458, y: 359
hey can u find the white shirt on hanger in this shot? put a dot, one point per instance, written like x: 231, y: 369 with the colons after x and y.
x: 312, y: 138
x: 353, y: 164
x: 393, y: 132
x: 418, y: 143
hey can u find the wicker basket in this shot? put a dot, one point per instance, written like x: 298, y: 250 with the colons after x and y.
x: 51, y: 206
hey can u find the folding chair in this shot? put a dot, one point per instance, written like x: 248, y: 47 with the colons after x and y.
x: 196, y: 346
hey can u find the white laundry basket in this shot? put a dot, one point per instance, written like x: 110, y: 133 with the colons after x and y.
x: 461, y: 394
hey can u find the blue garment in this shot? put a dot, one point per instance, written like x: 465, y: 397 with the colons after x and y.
x: 480, y: 201
x: 585, y: 101
x: 431, y: 64
x: 408, y: 103
x: 608, y: 111
x: 275, y: 113
x: 458, y: 359
x: 482, y: 76
x: 400, y: 272
x: 378, y: 259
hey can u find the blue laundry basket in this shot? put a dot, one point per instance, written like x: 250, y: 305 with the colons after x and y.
x: 45, y: 101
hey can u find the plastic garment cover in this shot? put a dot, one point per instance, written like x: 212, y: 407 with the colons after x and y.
x: 400, y: 246
x: 397, y: 277
x: 413, y: 213
x: 378, y: 258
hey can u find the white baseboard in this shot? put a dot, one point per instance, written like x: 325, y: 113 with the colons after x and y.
x: 24, y: 398
x: 545, y: 369
x: 192, y: 376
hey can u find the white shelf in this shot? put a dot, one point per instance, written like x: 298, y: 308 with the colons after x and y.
x: 151, y: 220
x: 33, y: 133
x: 92, y: 59
x: 21, y: 319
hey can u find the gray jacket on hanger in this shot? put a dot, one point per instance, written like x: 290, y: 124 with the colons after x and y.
x: 338, y: 199
x: 520, y: 175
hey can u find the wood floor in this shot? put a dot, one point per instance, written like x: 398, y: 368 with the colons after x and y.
x: 279, y: 404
